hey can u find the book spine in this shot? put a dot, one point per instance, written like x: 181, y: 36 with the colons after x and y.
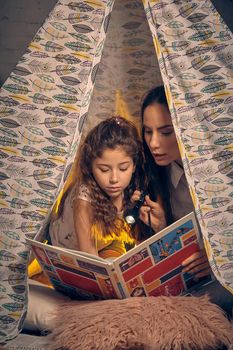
x: 119, y: 282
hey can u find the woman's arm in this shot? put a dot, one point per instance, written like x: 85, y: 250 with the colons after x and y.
x: 83, y: 220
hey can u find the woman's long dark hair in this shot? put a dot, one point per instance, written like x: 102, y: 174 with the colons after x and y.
x: 158, y: 175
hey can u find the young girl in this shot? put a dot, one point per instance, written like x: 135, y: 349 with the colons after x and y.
x: 108, y: 170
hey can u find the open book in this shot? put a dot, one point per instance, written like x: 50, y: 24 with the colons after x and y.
x: 151, y: 268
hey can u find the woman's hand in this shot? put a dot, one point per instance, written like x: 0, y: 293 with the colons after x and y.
x: 197, y: 264
x: 157, y: 215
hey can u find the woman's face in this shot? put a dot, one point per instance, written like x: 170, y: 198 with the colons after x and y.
x: 159, y: 134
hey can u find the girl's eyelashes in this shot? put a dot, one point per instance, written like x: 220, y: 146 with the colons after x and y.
x: 124, y: 169
x: 104, y: 170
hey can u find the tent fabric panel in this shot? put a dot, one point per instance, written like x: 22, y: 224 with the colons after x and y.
x: 43, y: 105
x: 128, y: 65
x: 194, y: 49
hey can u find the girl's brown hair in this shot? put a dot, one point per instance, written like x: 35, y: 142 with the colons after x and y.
x: 109, y: 134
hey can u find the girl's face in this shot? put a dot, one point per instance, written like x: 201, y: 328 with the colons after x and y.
x: 113, y: 171
x: 159, y: 134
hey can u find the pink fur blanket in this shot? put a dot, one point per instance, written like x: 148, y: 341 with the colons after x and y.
x: 166, y: 323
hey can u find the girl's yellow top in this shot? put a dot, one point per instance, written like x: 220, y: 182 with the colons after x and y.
x: 113, y: 245
x: 62, y: 231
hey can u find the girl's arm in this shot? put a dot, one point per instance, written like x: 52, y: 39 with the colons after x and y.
x: 83, y: 219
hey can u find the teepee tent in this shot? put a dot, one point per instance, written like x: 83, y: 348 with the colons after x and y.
x: 69, y: 79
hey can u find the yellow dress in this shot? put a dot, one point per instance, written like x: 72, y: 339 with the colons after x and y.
x: 113, y: 246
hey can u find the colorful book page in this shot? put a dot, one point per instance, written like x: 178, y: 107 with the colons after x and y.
x: 75, y: 277
x: 157, y: 269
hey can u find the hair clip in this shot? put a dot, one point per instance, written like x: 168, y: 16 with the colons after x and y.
x: 118, y: 120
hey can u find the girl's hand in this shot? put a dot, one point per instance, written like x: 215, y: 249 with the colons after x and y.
x: 157, y: 215
x: 197, y: 264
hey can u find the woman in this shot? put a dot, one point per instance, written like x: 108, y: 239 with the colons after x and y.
x: 167, y: 180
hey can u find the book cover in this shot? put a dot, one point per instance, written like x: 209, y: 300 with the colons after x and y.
x: 152, y: 268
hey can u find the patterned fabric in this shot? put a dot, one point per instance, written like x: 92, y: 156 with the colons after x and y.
x: 44, y: 111
x: 128, y: 65
x: 47, y: 103
x: 83, y: 193
x: 194, y: 49
x: 43, y: 107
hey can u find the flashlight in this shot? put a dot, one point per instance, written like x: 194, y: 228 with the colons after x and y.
x: 131, y: 215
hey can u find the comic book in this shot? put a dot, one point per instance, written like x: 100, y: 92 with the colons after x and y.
x: 152, y: 268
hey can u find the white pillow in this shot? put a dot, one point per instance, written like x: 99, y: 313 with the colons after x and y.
x: 42, y: 303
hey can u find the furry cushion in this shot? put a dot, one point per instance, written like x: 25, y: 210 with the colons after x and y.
x: 166, y: 323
